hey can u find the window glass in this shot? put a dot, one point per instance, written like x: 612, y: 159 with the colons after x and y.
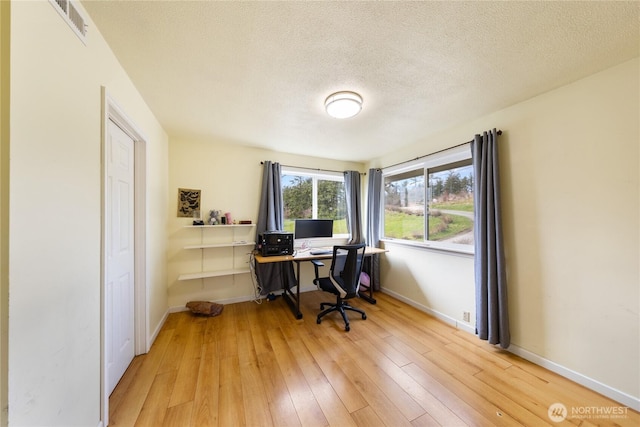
x: 332, y: 204
x: 431, y: 202
x: 450, y: 205
x: 314, y: 196
x: 297, y: 198
x: 404, y: 195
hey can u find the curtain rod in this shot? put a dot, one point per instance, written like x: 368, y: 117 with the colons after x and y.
x: 313, y: 169
x: 499, y: 132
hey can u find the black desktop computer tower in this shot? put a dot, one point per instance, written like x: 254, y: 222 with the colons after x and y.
x: 273, y: 243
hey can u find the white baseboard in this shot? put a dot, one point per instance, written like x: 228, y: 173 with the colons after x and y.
x: 590, y: 383
x: 610, y: 392
x: 153, y: 336
x: 177, y: 309
x: 442, y: 317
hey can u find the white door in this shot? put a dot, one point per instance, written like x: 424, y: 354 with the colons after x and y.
x: 119, y: 234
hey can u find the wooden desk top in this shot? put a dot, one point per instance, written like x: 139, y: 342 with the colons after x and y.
x: 305, y: 255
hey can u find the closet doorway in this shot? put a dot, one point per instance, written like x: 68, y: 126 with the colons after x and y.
x: 123, y: 294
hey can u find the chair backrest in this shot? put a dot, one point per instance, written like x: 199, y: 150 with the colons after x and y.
x: 346, y: 267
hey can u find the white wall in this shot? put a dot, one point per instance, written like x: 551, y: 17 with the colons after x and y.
x: 230, y: 178
x: 570, y: 188
x: 55, y: 215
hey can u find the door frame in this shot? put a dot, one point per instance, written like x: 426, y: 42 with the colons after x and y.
x: 112, y: 111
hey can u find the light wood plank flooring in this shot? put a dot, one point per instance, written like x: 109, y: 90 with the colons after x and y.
x: 255, y: 365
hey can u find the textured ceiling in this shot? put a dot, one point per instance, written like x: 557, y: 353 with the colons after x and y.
x: 257, y: 73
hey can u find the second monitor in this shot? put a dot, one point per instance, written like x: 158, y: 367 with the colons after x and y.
x: 313, y: 228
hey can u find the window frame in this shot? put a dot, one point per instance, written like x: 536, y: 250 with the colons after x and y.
x: 426, y: 163
x: 315, y: 176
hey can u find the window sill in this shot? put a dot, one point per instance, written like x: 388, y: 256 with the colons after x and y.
x: 431, y: 246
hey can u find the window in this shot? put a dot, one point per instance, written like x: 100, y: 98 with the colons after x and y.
x: 430, y: 201
x: 314, y: 195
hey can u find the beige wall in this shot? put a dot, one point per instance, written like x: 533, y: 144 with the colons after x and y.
x: 570, y: 185
x: 570, y: 191
x: 230, y: 180
x: 573, y: 276
x: 5, y: 25
x: 55, y: 215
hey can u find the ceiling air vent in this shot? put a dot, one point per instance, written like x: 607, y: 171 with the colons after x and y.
x: 71, y: 14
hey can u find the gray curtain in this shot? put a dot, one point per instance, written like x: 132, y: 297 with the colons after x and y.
x: 271, y: 213
x: 354, y: 209
x: 272, y: 276
x: 492, y: 314
x: 373, y: 222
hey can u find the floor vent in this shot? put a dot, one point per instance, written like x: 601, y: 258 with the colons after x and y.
x: 71, y: 14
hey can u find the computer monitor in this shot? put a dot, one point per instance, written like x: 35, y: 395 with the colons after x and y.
x: 313, y: 228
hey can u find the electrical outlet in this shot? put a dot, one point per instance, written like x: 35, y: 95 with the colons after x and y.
x: 466, y: 316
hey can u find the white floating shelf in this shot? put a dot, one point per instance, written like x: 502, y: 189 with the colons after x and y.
x: 235, y: 238
x: 205, y: 274
x: 220, y: 245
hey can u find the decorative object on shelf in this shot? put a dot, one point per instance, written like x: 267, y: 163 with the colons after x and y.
x: 196, y: 218
x: 228, y: 217
x: 245, y: 221
x: 188, y: 201
x: 214, y: 217
x: 205, y: 308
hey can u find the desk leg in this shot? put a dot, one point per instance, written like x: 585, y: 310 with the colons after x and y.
x: 368, y: 296
x: 293, y: 300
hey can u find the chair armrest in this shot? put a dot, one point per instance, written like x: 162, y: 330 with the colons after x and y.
x: 316, y: 263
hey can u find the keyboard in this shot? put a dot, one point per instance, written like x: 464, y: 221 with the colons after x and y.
x: 321, y: 251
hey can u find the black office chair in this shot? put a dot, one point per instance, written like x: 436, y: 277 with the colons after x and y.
x: 343, y: 280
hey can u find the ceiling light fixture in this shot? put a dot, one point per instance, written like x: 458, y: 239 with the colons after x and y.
x: 342, y: 105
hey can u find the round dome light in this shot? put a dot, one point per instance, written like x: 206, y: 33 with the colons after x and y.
x: 342, y: 105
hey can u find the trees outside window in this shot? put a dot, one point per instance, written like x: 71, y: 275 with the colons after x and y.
x: 431, y: 202
x: 309, y: 195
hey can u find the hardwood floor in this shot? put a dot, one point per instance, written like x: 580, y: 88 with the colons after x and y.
x: 256, y: 365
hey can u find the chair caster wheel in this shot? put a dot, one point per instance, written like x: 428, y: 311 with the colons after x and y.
x: 364, y: 317
x: 318, y: 320
x: 347, y: 328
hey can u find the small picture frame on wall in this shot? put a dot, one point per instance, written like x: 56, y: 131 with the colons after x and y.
x: 188, y: 202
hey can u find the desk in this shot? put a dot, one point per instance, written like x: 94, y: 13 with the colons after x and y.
x: 293, y: 299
